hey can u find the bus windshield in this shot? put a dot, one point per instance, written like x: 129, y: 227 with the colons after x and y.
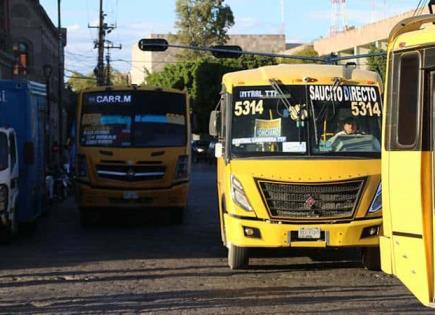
x: 323, y: 120
x: 4, y: 149
x: 133, y: 119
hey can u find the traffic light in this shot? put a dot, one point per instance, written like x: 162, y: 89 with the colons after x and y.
x: 153, y: 44
x: 226, y: 51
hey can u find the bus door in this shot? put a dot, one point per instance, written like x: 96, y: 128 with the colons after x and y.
x: 410, y: 174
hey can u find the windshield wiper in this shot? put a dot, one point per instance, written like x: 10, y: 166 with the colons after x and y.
x: 292, y: 110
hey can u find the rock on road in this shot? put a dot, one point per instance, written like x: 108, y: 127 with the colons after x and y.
x: 129, y: 264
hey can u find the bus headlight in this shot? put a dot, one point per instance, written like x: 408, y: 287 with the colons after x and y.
x: 182, y: 168
x: 238, y: 194
x: 3, y: 197
x: 377, y: 201
x: 82, y: 166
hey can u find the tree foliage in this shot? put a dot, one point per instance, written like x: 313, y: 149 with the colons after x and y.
x: 307, y: 51
x: 202, y: 80
x: 377, y: 63
x: 202, y: 23
x: 80, y: 82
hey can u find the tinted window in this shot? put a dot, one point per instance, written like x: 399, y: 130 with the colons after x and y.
x: 408, y: 99
x: 134, y: 119
x: 4, y: 150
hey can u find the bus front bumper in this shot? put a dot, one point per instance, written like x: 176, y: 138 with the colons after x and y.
x: 358, y: 233
x: 172, y: 197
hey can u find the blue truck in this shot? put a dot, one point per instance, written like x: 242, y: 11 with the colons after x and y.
x: 23, y: 107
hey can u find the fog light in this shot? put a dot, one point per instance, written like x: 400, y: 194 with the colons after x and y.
x: 251, y: 232
x: 370, y: 231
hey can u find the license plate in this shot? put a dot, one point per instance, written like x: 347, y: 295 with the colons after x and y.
x: 309, y: 233
x: 129, y: 195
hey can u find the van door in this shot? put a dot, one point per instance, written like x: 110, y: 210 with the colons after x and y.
x: 410, y: 170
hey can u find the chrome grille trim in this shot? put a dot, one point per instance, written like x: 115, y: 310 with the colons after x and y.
x: 304, y: 201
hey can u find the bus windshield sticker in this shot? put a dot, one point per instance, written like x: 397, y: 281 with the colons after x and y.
x: 239, y: 141
x: 267, y: 128
x: 176, y: 119
x: 294, y: 146
x: 115, y: 120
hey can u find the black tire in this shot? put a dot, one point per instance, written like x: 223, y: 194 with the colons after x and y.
x: 177, y: 216
x: 371, y: 258
x: 10, y: 230
x: 238, y: 257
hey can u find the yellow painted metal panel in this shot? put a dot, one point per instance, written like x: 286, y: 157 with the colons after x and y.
x: 411, y: 267
x: 276, y: 235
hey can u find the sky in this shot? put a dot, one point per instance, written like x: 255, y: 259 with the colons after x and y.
x: 305, y: 20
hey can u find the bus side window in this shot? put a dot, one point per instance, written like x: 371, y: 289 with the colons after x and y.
x: 405, y: 103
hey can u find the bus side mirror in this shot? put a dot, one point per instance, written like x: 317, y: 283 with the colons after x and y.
x: 29, y: 153
x: 218, y: 150
x: 213, y: 123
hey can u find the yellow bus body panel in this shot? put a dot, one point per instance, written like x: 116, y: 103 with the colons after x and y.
x: 275, y: 232
x: 407, y: 242
x: 96, y: 192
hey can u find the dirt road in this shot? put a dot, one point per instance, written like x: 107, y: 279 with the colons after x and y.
x: 128, y: 264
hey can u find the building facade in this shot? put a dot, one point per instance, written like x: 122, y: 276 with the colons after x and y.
x: 34, y: 43
x: 148, y: 62
x: 6, y: 56
x: 359, y: 40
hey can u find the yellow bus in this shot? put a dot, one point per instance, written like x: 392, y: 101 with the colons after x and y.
x: 133, y: 150
x: 299, y: 159
x: 407, y: 243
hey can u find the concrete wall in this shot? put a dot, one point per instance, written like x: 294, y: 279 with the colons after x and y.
x: 359, y: 40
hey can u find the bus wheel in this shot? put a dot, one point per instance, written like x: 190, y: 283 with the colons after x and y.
x: 238, y: 257
x: 371, y: 258
x: 177, y: 215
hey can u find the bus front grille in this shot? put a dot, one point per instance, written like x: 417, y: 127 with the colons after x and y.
x: 309, y: 201
x: 131, y: 173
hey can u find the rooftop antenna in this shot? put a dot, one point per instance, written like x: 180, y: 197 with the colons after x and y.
x: 282, y: 27
x: 338, y: 16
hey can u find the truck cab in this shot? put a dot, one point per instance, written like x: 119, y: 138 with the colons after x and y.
x: 8, y: 183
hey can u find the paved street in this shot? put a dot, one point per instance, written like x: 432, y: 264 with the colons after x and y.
x: 129, y: 264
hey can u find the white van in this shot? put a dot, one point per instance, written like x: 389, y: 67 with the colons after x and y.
x: 8, y: 183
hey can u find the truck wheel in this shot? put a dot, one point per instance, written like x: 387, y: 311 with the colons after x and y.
x: 371, y: 259
x: 177, y: 216
x: 10, y: 230
x: 238, y: 257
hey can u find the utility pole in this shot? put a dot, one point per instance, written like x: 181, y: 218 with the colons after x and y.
x: 60, y: 78
x: 100, y: 44
x: 109, y: 46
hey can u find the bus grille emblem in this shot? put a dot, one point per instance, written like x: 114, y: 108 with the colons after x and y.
x: 310, y: 202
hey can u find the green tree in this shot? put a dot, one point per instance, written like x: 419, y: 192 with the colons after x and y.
x: 202, y: 78
x: 202, y: 23
x: 80, y: 82
x: 378, y: 63
x: 307, y: 51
